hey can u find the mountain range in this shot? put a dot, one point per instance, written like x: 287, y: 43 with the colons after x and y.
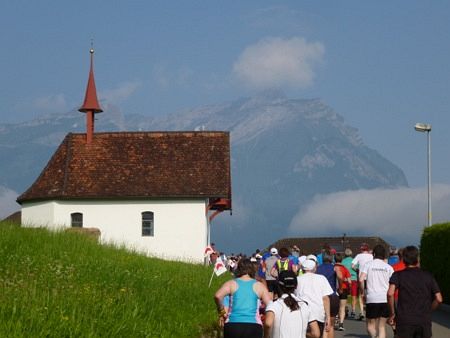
x: 283, y: 152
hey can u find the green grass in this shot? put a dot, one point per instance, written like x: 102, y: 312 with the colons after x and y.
x: 59, y: 284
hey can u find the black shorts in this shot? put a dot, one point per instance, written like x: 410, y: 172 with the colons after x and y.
x: 272, y: 285
x: 344, y: 294
x: 334, y: 305
x: 377, y: 310
x: 242, y: 330
x: 413, y: 331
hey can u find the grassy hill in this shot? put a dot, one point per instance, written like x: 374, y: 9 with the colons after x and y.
x: 59, y: 284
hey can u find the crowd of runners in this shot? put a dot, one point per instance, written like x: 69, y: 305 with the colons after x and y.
x: 285, y: 293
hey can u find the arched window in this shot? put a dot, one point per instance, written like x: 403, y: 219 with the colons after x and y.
x: 147, y: 223
x: 76, y: 219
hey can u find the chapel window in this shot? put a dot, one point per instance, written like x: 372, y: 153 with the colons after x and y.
x: 76, y: 219
x: 147, y: 224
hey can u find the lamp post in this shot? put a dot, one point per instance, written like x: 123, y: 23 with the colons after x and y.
x: 426, y: 128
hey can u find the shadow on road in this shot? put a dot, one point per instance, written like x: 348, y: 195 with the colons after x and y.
x: 441, y: 318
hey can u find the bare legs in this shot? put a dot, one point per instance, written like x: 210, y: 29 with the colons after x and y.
x: 342, y: 304
x: 377, y: 324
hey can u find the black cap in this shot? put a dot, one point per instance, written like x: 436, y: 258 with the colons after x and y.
x: 287, y: 279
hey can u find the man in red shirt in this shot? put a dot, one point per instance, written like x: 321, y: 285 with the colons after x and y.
x: 344, y: 282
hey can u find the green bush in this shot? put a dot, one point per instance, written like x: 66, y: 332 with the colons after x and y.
x: 434, y: 252
x: 60, y: 284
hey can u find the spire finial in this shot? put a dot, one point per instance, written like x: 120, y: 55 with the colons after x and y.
x: 90, y: 99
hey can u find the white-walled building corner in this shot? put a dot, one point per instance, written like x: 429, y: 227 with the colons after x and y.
x: 180, y: 226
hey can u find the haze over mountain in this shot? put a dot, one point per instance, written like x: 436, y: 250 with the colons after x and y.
x: 284, y: 153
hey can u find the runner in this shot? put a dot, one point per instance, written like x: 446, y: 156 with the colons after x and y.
x: 418, y: 296
x: 393, y: 256
x: 328, y: 270
x: 268, y: 264
x: 376, y: 273
x: 289, y: 316
x: 344, y: 282
x: 315, y: 289
x: 347, y: 262
x: 242, y: 320
x: 325, y: 247
x: 357, y: 264
x: 283, y: 263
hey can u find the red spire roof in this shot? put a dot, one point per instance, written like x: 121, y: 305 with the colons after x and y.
x: 90, y: 99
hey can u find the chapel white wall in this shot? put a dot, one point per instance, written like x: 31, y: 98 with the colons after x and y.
x: 180, y: 227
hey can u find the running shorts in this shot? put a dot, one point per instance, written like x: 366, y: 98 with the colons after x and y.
x: 413, y: 331
x: 354, y: 288
x: 377, y: 310
x: 242, y: 330
x: 334, y: 305
x: 344, y: 294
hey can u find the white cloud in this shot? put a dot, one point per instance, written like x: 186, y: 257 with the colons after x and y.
x: 51, y: 103
x: 8, y: 203
x: 277, y: 62
x: 398, y: 214
x: 119, y: 94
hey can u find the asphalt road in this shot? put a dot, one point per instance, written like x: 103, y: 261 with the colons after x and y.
x: 357, y: 329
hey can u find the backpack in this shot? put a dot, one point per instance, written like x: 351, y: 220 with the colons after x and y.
x: 283, y: 265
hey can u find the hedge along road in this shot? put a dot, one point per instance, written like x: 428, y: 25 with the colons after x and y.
x: 357, y: 329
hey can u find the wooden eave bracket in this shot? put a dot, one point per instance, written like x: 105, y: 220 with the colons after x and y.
x: 218, y: 205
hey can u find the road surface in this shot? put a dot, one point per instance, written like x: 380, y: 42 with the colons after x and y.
x: 357, y: 329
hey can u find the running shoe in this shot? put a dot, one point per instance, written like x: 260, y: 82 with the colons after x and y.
x: 341, y: 327
x: 352, y: 315
x: 361, y: 317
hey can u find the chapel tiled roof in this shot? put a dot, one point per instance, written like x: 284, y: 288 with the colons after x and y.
x: 137, y: 165
x: 313, y: 245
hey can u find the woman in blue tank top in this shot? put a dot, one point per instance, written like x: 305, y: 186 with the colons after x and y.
x: 242, y: 318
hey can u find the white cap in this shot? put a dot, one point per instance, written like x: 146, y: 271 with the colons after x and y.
x: 312, y: 257
x: 301, y: 259
x: 274, y: 251
x: 308, y: 265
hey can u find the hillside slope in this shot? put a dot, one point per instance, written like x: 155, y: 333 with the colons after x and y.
x: 59, y: 284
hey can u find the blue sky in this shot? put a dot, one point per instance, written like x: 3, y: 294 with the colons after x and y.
x: 382, y: 65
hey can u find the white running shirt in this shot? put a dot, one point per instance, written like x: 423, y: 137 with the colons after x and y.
x: 289, y: 323
x: 361, y: 259
x: 311, y: 288
x: 377, y: 274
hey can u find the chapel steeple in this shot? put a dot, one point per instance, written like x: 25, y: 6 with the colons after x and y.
x: 90, y: 105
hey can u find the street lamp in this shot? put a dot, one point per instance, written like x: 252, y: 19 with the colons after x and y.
x: 426, y: 128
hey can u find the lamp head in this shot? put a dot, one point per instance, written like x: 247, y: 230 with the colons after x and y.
x: 422, y: 127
